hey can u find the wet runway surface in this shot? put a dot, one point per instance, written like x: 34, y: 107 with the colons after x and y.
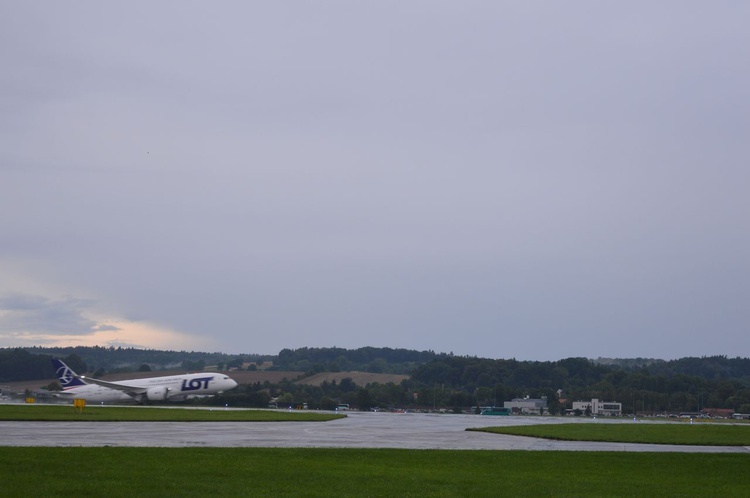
x: 358, y: 430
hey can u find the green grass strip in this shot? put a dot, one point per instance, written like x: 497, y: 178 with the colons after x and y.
x: 186, y: 472
x: 639, y: 432
x: 154, y: 414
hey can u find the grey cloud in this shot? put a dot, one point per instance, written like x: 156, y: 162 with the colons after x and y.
x: 523, y: 180
x: 22, y: 314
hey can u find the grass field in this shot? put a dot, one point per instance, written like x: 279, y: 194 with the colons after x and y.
x: 365, y: 472
x: 154, y: 414
x: 695, y: 434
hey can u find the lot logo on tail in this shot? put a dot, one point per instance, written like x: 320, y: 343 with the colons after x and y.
x: 65, y: 375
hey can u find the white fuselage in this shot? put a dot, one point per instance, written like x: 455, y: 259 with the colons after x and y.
x: 152, y: 388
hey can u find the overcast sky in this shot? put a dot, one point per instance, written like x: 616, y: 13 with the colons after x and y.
x: 530, y: 180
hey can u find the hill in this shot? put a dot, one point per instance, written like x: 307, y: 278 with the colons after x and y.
x: 321, y: 376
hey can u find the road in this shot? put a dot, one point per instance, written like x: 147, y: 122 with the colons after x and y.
x: 358, y: 430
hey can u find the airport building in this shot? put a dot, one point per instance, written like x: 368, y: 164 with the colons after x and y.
x: 527, y: 405
x: 596, y: 407
x: 717, y: 412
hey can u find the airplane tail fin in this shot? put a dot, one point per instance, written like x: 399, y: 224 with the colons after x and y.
x: 65, y: 375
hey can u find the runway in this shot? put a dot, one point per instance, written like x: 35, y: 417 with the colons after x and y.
x: 358, y: 430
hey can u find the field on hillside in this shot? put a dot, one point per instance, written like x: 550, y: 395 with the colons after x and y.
x: 359, y: 378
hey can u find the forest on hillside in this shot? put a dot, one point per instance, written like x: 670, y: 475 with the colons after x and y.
x: 686, y: 384
x: 25, y: 364
x: 459, y: 383
x: 436, y: 379
x: 366, y: 359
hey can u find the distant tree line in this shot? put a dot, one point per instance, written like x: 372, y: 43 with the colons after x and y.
x: 436, y: 380
x: 17, y: 364
x: 366, y: 359
x: 687, y: 384
x: 457, y: 383
x: 33, y: 363
x: 327, y: 396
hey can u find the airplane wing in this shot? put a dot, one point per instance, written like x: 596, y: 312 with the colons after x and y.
x: 134, y: 391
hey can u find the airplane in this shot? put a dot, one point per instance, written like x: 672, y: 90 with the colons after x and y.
x: 171, y: 387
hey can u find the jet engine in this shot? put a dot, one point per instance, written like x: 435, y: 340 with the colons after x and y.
x: 158, y: 393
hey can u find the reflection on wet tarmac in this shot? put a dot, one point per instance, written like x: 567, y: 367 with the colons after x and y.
x: 358, y: 430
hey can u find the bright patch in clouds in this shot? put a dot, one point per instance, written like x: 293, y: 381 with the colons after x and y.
x: 32, y: 320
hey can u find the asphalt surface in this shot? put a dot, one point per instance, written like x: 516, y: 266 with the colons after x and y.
x: 358, y: 430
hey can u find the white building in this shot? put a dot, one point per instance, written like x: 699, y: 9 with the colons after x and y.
x: 597, y: 407
x: 526, y: 405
